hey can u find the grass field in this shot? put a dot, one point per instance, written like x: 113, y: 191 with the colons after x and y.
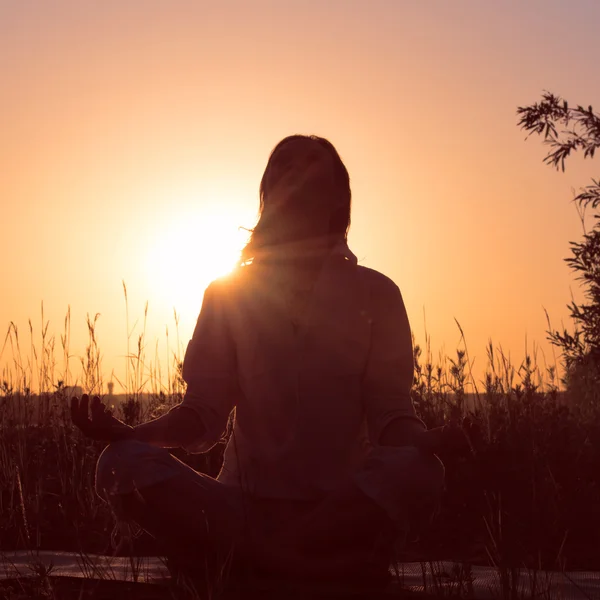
x: 529, y: 496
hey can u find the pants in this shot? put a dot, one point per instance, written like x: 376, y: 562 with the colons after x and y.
x: 397, y: 489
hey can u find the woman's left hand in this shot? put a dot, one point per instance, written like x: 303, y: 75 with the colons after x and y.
x: 102, y: 426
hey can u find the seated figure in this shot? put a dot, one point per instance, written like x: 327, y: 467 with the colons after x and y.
x: 327, y: 465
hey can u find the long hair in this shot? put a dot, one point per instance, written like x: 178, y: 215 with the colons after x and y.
x: 339, y: 224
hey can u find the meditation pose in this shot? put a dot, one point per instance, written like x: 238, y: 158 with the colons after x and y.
x: 309, y: 357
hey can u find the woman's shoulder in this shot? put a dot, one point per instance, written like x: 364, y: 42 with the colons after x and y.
x: 239, y: 279
x: 376, y: 280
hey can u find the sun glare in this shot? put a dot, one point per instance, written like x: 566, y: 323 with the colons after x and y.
x: 190, y: 253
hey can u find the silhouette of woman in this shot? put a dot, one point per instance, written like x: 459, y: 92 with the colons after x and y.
x: 327, y: 465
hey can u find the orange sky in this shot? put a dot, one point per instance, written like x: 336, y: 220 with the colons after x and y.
x: 125, y: 127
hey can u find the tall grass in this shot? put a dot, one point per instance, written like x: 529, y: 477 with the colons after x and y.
x: 529, y: 497
x: 47, y: 498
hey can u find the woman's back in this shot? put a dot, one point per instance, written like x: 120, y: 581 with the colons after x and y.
x: 302, y: 396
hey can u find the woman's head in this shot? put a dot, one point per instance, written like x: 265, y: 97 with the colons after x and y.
x: 304, y: 194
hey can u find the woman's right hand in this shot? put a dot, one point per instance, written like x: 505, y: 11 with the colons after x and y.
x: 452, y: 438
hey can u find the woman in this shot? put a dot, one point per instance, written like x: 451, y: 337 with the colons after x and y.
x: 327, y: 464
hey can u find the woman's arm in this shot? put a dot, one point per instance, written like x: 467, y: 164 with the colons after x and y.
x: 388, y: 377
x: 388, y: 380
x: 180, y: 427
x: 210, y: 371
x: 176, y: 428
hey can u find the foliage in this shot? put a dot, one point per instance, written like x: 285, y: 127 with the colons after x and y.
x: 529, y: 495
x: 566, y: 130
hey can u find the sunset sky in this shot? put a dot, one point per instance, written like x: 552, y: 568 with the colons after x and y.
x: 135, y: 133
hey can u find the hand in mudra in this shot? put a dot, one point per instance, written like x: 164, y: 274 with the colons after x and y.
x: 102, y: 426
x: 456, y: 438
x: 452, y: 438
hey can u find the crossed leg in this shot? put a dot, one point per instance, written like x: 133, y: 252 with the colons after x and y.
x: 344, y: 534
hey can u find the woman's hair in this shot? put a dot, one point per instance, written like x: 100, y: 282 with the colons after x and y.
x: 339, y: 224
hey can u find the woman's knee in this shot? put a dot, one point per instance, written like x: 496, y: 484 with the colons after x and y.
x: 406, y: 482
x: 119, y: 464
x: 426, y: 476
x: 418, y: 474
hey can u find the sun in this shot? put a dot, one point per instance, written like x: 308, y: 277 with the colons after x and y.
x: 190, y: 252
